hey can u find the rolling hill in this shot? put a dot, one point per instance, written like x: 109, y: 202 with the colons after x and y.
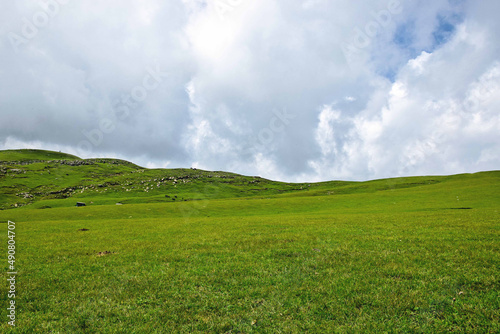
x: 51, y: 179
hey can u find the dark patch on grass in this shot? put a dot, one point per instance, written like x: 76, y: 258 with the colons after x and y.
x: 104, y: 253
x: 286, y: 254
x: 83, y: 229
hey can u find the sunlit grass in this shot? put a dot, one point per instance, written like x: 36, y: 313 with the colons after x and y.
x: 399, y: 255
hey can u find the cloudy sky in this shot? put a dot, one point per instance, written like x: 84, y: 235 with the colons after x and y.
x: 295, y: 90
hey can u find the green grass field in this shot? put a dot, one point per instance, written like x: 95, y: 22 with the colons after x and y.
x: 193, y: 251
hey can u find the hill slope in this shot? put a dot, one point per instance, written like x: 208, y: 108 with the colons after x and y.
x: 52, y: 179
x: 33, y: 155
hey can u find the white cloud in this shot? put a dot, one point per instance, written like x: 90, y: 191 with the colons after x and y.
x: 421, y: 97
x: 425, y: 129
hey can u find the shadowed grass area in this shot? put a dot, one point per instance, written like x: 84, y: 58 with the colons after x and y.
x: 399, y: 255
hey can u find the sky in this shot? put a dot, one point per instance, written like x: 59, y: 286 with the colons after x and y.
x: 296, y: 90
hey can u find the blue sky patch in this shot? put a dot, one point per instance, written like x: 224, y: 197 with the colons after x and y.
x: 404, y: 35
x: 445, y: 29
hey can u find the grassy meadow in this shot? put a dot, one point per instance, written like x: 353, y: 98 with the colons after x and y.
x: 191, y: 251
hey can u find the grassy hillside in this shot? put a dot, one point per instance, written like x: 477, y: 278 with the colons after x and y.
x: 30, y: 155
x: 239, y: 254
x: 56, y: 183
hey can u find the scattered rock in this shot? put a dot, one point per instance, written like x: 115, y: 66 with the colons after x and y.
x: 104, y: 253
